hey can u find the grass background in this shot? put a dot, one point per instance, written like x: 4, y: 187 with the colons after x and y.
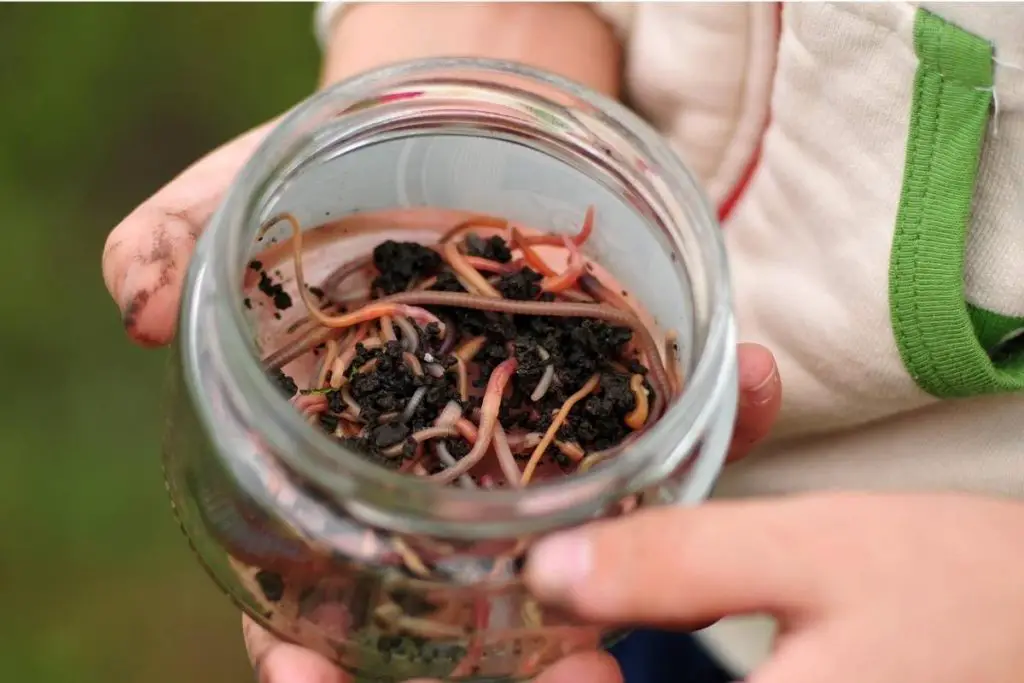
x: 101, y: 105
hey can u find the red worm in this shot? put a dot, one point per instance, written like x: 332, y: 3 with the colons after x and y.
x: 568, y: 278
x: 556, y: 240
x: 472, y: 276
x: 375, y: 310
x: 529, y: 255
x: 488, y: 419
x: 486, y: 265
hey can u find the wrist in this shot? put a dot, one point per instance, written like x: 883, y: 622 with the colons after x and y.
x: 565, y: 38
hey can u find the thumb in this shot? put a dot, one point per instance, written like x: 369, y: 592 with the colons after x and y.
x: 760, y: 398
x: 146, y: 256
x: 680, y: 567
x: 275, y: 661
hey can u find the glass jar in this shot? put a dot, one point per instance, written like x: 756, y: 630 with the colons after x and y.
x: 303, y: 534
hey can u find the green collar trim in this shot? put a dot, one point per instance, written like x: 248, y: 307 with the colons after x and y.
x: 931, y: 320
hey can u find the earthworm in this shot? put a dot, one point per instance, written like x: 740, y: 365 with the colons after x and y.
x: 410, y: 338
x: 638, y: 416
x: 485, y: 265
x: 579, y: 239
x: 463, y: 375
x: 470, y: 275
x: 449, y: 340
x: 572, y: 272
x: 529, y: 255
x: 413, y: 363
x: 387, y: 328
x: 556, y: 424
x: 380, y: 307
x: 505, y: 459
x: 350, y: 402
x: 331, y: 283
x: 481, y: 221
x: 488, y: 418
x: 545, y: 381
x: 594, y: 287
x: 467, y: 352
x: 435, y: 432
x: 413, y: 404
x: 570, y: 450
x: 326, y: 362
x: 448, y: 460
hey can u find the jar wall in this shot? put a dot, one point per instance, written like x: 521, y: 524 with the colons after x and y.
x: 342, y: 588
x: 318, y: 550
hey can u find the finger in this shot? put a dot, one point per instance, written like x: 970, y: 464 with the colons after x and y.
x: 592, y: 667
x: 679, y: 566
x: 146, y: 256
x: 760, y: 398
x: 275, y: 661
x: 803, y: 658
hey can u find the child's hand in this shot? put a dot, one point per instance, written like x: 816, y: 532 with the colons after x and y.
x: 278, y: 662
x: 760, y: 398
x: 146, y: 256
x: 867, y: 588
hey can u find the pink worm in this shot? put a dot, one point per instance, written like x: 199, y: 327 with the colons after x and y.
x: 488, y: 419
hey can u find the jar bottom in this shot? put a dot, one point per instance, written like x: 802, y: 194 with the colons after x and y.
x: 341, y: 617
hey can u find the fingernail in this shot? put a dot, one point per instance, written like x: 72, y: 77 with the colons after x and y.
x: 763, y: 392
x: 558, y: 562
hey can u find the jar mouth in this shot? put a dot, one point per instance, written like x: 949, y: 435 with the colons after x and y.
x: 410, y: 503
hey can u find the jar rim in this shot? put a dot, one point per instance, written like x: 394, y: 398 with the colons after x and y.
x: 685, y: 416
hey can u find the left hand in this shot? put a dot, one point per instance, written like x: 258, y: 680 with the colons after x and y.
x: 867, y: 588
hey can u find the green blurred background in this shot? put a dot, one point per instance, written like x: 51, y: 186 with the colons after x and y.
x: 101, y: 105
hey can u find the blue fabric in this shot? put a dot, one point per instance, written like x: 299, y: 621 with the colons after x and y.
x: 665, y: 657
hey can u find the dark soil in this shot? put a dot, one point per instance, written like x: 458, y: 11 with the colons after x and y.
x: 399, y: 263
x: 576, y: 347
x: 285, y: 383
x: 274, y: 290
x: 494, y: 248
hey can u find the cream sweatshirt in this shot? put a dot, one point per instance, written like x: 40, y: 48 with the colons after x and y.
x: 867, y: 160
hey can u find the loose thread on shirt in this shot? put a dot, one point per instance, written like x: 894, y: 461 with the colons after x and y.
x: 1000, y: 64
x: 1007, y: 65
x: 995, y: 108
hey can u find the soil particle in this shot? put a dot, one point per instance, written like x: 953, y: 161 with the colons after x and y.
x: 275, y: 291
x: 400, y: 263
x: 493, y: 248
x: 389, y: 434
x: 285, y: 383
x: 521, y: 286
x: 271, y: 584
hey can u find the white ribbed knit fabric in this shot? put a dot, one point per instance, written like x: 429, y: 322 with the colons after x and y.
x: 811, y: 237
